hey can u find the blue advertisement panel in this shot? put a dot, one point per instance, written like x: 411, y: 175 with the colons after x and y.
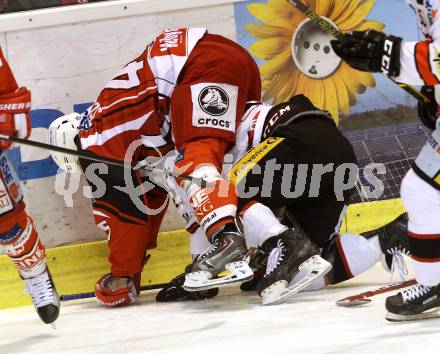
x: 40, y: 168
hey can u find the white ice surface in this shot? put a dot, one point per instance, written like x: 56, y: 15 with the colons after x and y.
x: 232, y: 323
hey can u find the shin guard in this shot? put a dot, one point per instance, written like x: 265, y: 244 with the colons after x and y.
x: 20, y: 241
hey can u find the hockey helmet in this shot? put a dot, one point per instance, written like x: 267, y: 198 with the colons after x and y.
x: 62, y: 132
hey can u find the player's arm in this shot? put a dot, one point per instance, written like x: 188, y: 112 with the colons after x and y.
x: 413, y: 63
x: 420, y: 63
x: 15, y: 105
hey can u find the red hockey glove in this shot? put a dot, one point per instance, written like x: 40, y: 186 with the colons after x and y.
x: 114, y: 291
x: 14, y: 115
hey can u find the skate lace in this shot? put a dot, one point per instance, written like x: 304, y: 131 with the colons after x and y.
x: 275, y: 257
x: 210, y: 250
x: 415, y: 292
x: 40, y: 289
x: 398, y: 262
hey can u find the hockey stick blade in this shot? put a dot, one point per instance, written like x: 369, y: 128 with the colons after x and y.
x: 328, y: 27
x: 364, y: 298
x: 70, y: 297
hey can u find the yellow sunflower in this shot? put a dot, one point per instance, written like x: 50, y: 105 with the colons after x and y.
x: 298, y: 56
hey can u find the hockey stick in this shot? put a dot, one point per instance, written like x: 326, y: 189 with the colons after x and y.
x: 329, y: 28
x: 70, y: 297
x: 364, y: 298
x: 86, y: 155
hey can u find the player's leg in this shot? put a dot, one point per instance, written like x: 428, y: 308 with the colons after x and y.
x: 422, y: 202
x: 131, y: 219
x: 20, y: 241
x: 218, y: 80
x: 352, y: 255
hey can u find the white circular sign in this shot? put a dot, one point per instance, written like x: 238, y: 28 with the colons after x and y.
x: 312, y: 51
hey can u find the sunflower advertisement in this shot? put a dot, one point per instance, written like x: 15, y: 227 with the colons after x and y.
x: 295, y: 57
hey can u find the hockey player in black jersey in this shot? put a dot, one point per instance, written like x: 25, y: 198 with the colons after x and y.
x: 310, y: 219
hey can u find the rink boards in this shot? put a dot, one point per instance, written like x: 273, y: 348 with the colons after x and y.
x: 77, y: 267
x: 64, y: 56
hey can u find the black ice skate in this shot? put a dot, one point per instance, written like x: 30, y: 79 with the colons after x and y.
x: 290, y: 252
x: 174, y: 291
x: 416, y: 303
x: 258, y: 262
x: 225, y: 254
x: 394, y: 242
x: 44, y: 296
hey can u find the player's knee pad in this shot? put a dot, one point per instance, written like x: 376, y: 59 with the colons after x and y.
x: 350, y: 256
x: 20, y: 241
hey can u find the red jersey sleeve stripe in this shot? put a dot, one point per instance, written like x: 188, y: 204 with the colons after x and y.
x: 425, y: 236
x: 423, y: 64
x: 425, y: 260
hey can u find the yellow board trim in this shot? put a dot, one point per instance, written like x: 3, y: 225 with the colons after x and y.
x: 437, y: 179
x: 77, y: 267
x: 248, y: 161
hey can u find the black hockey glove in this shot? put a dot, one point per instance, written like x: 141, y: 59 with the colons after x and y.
x: 370, y: 50
x: 428, y: 113
x: 174, y: 291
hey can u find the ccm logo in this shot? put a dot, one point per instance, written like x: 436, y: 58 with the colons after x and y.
x: 386, y: 59
x: 214, y: 122
x: 274, y: 119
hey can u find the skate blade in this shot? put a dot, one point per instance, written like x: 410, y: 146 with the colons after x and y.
x: 238, y: 272
x: 352, y: 303
x: 433, y: 313
x: 315, y: 267
x: 53, y: 325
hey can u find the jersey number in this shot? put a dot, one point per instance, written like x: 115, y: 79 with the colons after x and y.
x: 131, y: 76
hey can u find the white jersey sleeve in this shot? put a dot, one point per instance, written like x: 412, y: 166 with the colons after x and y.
x: 420, y: 61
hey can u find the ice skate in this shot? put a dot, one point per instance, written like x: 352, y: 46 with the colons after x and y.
x: 290, y: 252
x: 415, y: 303
x: 44, y: 296
x: 258, y: 262
x: 394, y: 243
x: 225, y: 254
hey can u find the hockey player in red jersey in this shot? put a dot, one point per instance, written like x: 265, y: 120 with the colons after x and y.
x: 187, y: 90
x: 413, y: 63
x: 18, y: 237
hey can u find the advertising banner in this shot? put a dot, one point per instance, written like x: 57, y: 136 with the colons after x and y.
x: 295, y: 57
